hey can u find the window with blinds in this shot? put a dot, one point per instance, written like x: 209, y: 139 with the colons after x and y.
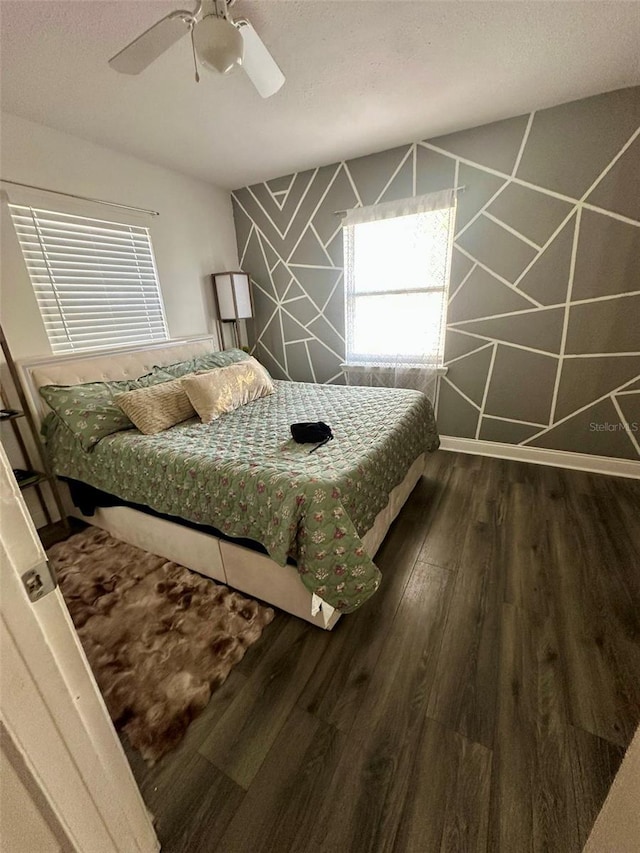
x: 95, y: 280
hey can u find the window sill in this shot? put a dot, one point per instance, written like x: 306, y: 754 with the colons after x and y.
x: 362, y: 367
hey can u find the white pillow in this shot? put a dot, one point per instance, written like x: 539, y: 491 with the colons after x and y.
x: 156, y: 408
x: 227, y: 388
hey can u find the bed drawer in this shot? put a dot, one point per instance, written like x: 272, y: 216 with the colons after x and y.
x: 259, y: 576
x: 199, y: 551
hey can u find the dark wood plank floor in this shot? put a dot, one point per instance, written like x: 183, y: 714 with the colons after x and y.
x: 481, y: 701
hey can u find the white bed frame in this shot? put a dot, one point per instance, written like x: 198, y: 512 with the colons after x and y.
x: 239, y: 567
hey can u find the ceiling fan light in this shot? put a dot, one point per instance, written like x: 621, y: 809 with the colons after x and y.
x: 219, y: 45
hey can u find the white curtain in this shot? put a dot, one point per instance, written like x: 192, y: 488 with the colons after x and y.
x: 394, y: 376
x: 397, y: 263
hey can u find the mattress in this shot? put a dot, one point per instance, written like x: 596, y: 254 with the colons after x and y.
x: 244, y: 475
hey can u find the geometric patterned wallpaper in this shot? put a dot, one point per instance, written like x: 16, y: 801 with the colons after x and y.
x: 543, y: 325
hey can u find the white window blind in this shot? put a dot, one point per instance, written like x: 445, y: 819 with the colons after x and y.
x: 95, y: 280
x: 397, y: 267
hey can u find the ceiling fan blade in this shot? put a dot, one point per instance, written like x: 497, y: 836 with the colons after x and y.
x: 135, y: 57
x: 260, y: 66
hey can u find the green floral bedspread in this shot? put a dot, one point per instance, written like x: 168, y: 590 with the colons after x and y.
x: 244, y: 475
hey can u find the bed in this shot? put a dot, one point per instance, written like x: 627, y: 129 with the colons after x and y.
x: 320, y: 517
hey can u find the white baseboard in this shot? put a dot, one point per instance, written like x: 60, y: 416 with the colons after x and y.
x: 542, y: 456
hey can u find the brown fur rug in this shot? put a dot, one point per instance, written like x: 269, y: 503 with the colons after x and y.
x: 159, y: 637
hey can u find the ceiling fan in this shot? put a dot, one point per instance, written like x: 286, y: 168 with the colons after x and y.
x: 218, y: 42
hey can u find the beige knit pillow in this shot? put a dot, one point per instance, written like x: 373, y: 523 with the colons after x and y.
x: 156, y: 408
x: 218, y: 391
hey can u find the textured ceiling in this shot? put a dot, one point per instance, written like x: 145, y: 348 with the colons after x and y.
x: 361, y: 76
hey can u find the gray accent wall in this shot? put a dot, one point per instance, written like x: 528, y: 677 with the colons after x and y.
x: 543, y: 324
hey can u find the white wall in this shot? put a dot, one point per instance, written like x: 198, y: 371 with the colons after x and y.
x: 193, y: 236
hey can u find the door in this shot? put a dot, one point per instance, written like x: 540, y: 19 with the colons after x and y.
x: 56, y: 732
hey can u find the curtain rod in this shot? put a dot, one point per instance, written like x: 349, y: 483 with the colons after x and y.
x: 344, y: 212
x: 82, y: 197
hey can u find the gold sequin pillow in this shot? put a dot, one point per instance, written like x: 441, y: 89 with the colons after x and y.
x: 157, y: 408
x: 219, y: 391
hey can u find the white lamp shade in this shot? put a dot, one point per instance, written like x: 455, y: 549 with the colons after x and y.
x: 234, y: 297
x: 219, y: 45
x: 243, y: 295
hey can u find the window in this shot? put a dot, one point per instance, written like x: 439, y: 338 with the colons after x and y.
x: 95, y: 280
x: 397, y: 263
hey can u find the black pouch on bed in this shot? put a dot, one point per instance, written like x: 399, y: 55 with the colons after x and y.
x: 310, y: 433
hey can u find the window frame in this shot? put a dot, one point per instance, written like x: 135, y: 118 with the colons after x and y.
x: 390, y: 211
